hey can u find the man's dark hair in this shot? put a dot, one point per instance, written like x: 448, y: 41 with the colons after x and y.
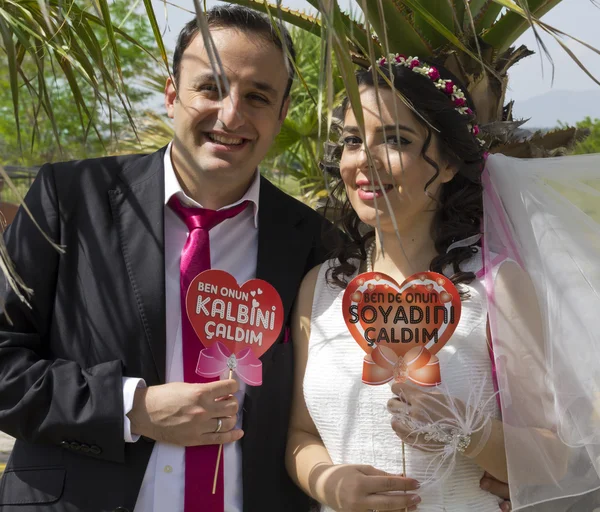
x: 241, y: 18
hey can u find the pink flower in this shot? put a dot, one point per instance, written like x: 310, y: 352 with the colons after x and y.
x: 382, y: 61
x: 475, y: 130
x: 449, y: 87
x: 414, y: 63
x: 400, y: 58
x: 469, y: 111
x: 459, y: 102
x: 486, y: 154
x: 433, y: 73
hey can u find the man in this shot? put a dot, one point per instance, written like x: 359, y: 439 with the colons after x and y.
x: 97, y: 361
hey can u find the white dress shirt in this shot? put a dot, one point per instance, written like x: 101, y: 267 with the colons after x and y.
x: 233, y: 248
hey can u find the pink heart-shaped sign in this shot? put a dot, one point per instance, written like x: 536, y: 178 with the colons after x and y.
x: 221, y: 311
x: 401, y: 327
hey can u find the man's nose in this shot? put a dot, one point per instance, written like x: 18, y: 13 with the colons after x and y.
x: 230, y: 112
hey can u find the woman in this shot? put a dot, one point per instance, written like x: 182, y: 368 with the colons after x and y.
x: 416, y: 176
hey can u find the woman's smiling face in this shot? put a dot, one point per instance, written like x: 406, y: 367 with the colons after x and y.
x: 400, y: 172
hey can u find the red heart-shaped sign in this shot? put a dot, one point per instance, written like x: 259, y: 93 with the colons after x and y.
x: 240, y: 317
x: 401, y: 326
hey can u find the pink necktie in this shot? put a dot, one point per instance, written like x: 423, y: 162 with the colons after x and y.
x: 200, y: 461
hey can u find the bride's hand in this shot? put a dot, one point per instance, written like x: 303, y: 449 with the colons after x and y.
x: 359, y: 488
x: 415, y: 410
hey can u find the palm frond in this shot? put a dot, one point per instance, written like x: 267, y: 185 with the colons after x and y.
x: 402, y: 34
x: 62, y: 40
x: 516, y: 21
x: 442, y: 12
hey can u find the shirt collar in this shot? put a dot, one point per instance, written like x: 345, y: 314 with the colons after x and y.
x: 173, y: 188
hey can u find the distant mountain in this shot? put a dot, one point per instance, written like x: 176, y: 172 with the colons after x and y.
x: 567, y: 106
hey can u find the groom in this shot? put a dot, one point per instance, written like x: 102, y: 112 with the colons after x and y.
x: 97, y: 360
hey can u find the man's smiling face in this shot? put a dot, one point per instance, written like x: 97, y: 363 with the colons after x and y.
x: 226, y: 140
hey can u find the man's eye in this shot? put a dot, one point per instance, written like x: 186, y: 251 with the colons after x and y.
x: 259, y: 98
x: 352, y: 141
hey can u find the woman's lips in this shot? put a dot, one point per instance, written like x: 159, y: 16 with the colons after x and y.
x: 367, y: 192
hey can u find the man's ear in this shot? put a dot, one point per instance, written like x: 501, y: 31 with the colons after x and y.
x: 170, y: 97
x: 284, y: 110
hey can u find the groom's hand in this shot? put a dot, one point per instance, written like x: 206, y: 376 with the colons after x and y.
x: 187, y: 414
x: 500, y: 489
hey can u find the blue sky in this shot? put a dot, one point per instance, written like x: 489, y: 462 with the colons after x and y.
x: 529, y: 78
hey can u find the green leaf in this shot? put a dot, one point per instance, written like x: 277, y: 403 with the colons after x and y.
x: 487, y: 16
x: 342, y: 53
x: 441, y: 11
x: 9, y: 48
x: 296, y: 18
x: 287, y: 51
x: 476, y: 6
x: 514, y: 23
x: 77, y: 95
x: 448, y: 34
x: 157, y: 35
x: 459, y: 12
x: 110, y: 33
x: 401, y: 34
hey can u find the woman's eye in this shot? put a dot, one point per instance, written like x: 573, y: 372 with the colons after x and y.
x: 393, y: 139
x: 352, y: 141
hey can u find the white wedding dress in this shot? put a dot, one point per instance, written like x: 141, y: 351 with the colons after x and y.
x: 352, y: 419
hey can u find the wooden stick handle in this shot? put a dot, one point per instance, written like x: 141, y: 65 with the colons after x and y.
x: 403, y: 467
x: 220, y: 452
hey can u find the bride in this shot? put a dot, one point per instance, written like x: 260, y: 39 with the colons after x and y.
x: 415, y: 173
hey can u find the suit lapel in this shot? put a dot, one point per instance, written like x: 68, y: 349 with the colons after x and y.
x: 137, y: 207
x: 282, y: 245
x: 282, y: 254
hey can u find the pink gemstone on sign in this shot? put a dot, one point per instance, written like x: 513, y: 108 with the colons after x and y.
x: 422, y: 277
x: 413, y: 286
x: 377, y: 277
x: 440, y: 281
x: 429, y: 287
x: 360, y: 282
x: 371, y: 287
x: 356, y: 297
x: 400, y: 371
x: 445, y: 297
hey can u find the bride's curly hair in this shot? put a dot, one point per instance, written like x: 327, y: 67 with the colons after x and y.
x: 460, y: 207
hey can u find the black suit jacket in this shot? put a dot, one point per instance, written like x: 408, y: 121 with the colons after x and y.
x: 98, y: 314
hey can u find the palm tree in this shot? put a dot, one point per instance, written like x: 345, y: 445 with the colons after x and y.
x: 473, y: 39
x: 48, y: 44
x: 59, y: 43
x: 297, y: 149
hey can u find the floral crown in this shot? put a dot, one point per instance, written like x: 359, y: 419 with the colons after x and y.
x: 446, y: 86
